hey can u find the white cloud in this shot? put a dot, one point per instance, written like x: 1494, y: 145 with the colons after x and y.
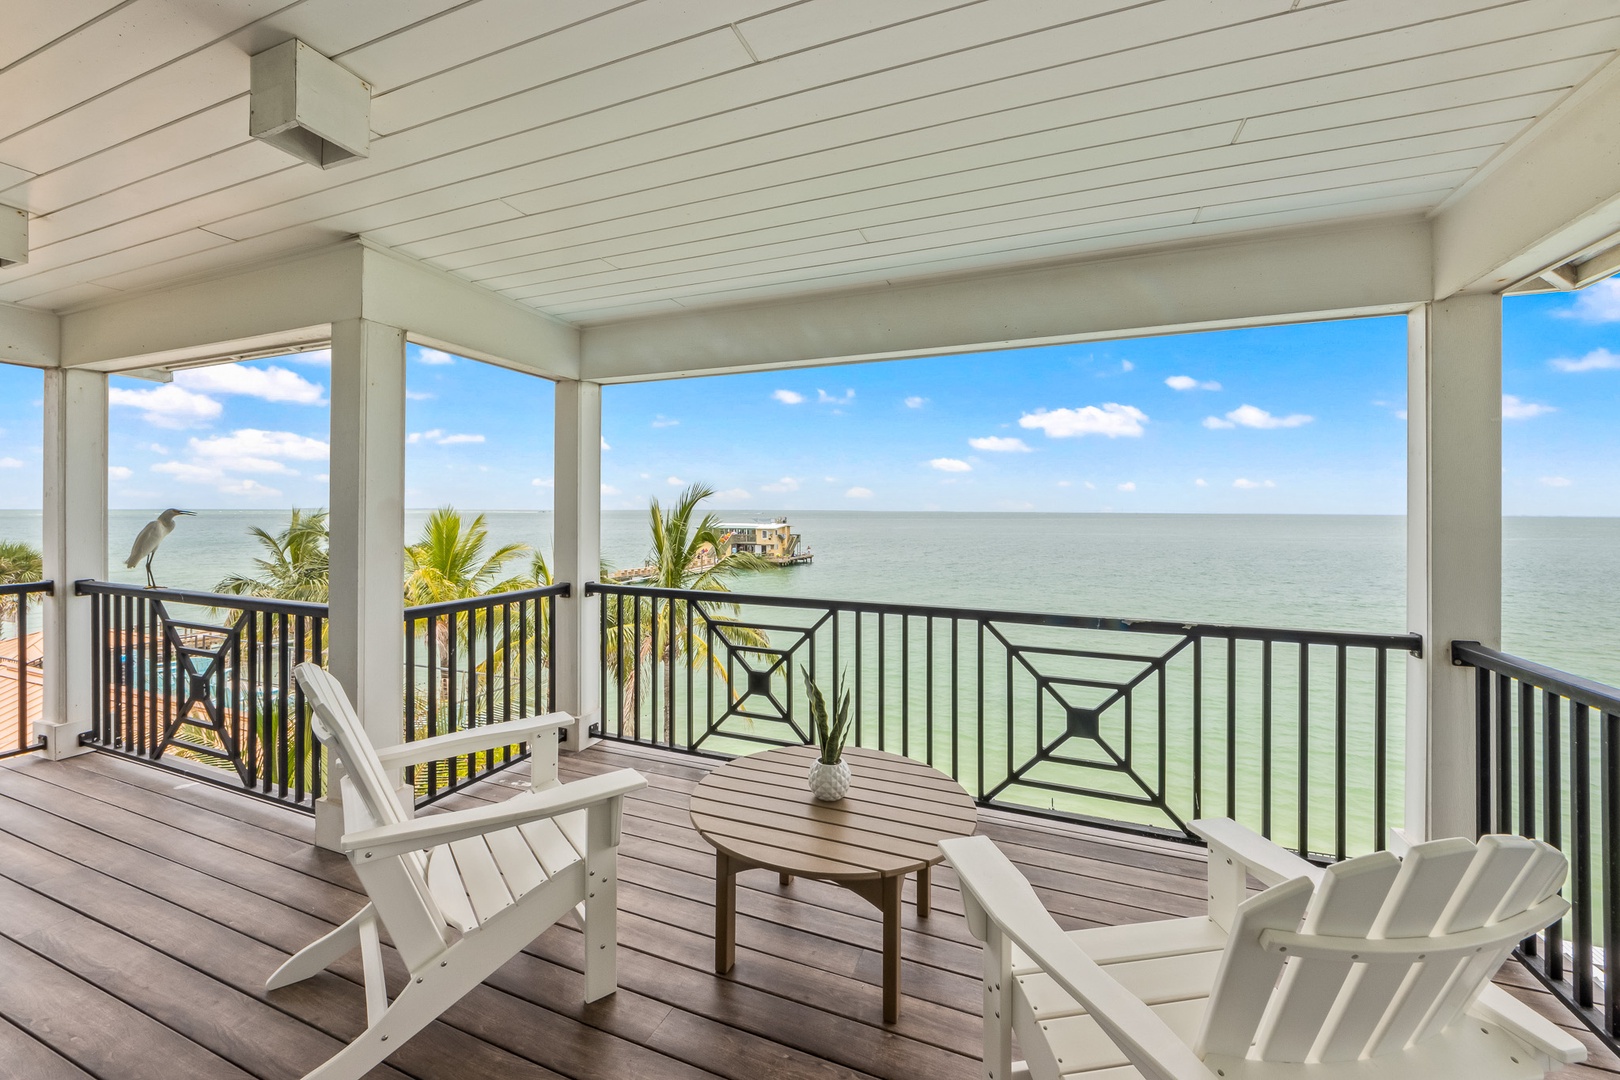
x: 1252, y: 416
x: 187, y: 473
x: 266, y: 384
x: 915, y: 402
x: 1065, y: 483
x: 605, y: 445
x: 788, y: 397
x: 251, y: 443
x: 1215, y: 423
x: 732, y: 495
x: 1187, y: 382
x: 609, y: 489
x: 434, y: 357
x: 248, y: 487
x: 314, y: 358
x: 858, y: 493
x: 1515, y: 409
x: 786, y: 484
x: 419, y: 395
x: 168, y: 406
x: 663, y: 421
x: 1000, y: 444
x: 1126, y: 365
x: 1090, y: 486
x: 1111, y: 420
x: 322, y: 478
x: 1556, y: 481
x: 1129, y: 485
x: 1250, y: 485
x: 1597, y: 303
x: 1596, y: 360
x: 439, y: 437
x: 950, y: 464
x: 674, y: 481
x: 117, y: 472
x: 1400, y: 414
x: 824, y: 398
x: 10, y: 463
x: 1201, y: 482
x: 543, y: 482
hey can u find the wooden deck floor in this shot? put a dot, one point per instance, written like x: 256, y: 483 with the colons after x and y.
x: 140, y: 914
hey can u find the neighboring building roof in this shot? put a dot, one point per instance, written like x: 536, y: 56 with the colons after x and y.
x: 10, y: 703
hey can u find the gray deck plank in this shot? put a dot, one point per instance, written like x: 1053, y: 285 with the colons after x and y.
x: 135, y: 896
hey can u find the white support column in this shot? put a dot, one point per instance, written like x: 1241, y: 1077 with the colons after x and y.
x: 1453, y: 548
x: 367, y: 631
x: 75, y: 536
x: 578, y: 555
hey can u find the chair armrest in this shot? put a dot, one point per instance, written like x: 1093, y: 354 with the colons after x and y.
x: 483, y: 737
x: 1270, y: 863
x: 992, y: 883
x: 390, y: 840
x: 1495, y: 1005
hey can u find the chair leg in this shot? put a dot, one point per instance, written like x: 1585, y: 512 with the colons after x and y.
x: 998, y: 1063
x: 601, y: 904
x: 315, y: 957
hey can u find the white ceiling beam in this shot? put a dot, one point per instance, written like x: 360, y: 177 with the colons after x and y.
x: 1551, y: 193
x: 1375, y: 268
x: 262, y: 308
x: 447, y: 312
x: 29, y: 336
x: 293, y: 302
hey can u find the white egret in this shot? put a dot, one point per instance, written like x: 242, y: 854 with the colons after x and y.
x: 146, y: 544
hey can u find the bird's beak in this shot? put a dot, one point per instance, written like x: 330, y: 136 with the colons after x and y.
x: 187, y: 513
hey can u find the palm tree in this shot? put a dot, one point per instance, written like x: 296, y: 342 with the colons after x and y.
x: 19, y: 563
x: 451, y: 561
x: 296, y: 565
x: 687, y: 555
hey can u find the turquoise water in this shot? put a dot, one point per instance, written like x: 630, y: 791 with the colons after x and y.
x: 1561, y: 576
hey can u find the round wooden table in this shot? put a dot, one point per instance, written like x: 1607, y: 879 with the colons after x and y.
x: 758, y: 813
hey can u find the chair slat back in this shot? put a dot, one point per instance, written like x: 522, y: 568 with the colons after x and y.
x: 1323, y: 1008
x: 1347, y: 902
x: 398, y: 887
x: 337, y: 725
x: 1429, y: 876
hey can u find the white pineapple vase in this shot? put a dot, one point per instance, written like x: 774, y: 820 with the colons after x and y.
x: 829, y: 783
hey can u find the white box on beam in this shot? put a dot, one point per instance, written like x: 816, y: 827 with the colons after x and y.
x: 309, y: 106
x: 13, y: 236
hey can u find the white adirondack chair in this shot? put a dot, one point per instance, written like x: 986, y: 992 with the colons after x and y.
x: 460, y: 893
x: 1375, y: 967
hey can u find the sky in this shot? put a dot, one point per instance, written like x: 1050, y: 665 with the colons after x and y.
x: 1294, y: 419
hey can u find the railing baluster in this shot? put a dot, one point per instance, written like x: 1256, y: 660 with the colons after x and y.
x: 1553, y: 788
x: 1580, y: 791
x: 1265, y: 739
x: 1609, y: 847
x: 1231, y: 727
x: 1341, y: 734
x: 1380, y: 749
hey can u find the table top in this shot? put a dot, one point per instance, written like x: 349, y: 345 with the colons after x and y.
x: 759, y: 809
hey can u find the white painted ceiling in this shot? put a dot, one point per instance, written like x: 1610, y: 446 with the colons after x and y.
x: 597, y: 159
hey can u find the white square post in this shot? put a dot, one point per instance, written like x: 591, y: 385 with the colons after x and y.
x: 75, y: 542
x: 576, y: 664
x: 366, y: 631
x: 1453, y: 548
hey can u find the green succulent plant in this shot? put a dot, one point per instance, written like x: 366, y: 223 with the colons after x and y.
x: 830, y: 733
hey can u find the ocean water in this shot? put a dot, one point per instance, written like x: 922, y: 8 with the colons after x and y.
x: 1561, y: 576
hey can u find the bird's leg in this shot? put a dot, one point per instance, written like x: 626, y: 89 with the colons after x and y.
x: 151, y: 582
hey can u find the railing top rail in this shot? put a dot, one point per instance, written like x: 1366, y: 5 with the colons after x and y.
x: 446, y: 607
x: 1412, y: 643
x: 1587, y: 692
x: 202, y: 599
x: 21, y: 587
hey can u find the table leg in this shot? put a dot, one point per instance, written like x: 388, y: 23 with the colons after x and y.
x: 923, y: 905
x: 891, y: 948
x: 725, y: 912
x: 786, y: 880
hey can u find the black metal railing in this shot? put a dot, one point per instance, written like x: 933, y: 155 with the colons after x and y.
x: 207, y: 680
x: 22, y: 664
x: 1549, y: 767
x: 472, y: 662
x: 204, y: 682
x: 1139, y: 724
